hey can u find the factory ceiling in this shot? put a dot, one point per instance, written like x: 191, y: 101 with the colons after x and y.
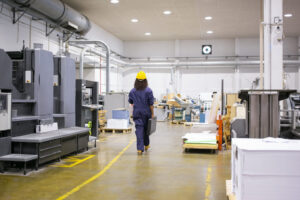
x: 230, y: 18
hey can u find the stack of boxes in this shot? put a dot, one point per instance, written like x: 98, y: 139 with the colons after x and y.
x: 120, y: 119
x: 102, y: 118
x: 265, y: 169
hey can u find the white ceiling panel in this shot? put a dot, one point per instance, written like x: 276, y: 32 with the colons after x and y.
x: 231, y: 18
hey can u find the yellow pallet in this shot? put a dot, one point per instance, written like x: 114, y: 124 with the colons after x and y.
x: 229, y: 194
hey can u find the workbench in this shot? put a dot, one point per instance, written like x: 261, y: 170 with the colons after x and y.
x: 52, y: 145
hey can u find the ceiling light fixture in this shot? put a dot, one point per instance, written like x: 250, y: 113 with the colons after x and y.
x: 167, y: 12
x: 208, y: 18
x: 288, y: 15
x: 114, y: 1
x: 134, y: 20
x: 209, y: 32
x: 148, y: 34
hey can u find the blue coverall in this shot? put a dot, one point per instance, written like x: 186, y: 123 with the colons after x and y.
x: 141, y: 100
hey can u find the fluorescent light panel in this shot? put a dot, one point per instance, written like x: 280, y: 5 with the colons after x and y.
x: 167, y: 12
x: 288, y: 15
x: 114, y: 1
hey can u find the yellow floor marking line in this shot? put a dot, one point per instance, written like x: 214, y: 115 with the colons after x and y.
x: 74, y: 161
x: 208, y: 180
x: 107, y: 167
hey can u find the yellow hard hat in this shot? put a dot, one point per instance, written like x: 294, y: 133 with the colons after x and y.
x: 141, y: 75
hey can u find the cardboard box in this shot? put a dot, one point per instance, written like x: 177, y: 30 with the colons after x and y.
x: 266, y: 169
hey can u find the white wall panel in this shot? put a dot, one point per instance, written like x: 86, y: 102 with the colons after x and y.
x: 221, y: 47
x: 149, y: 48
x: 158, y: 80
x: 196, y: 81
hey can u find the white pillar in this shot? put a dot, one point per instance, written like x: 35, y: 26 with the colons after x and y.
x: 177, y: 80
x: 273, y: 50
x: 236, y: 81
x: 237, y: 78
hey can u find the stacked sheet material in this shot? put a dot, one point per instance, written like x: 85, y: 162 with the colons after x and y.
x: 117, y: 124
x: 200, y: 138
x: 120, y: 113
x: 265, y: 169
x: 200, y: 127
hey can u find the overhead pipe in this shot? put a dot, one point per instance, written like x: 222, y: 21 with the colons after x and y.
x: 100, y: 44
x: 81, y: 62
x: 97, y: 53
x: 177, y: 63
x: 54, y: 11
x: 206, y: 63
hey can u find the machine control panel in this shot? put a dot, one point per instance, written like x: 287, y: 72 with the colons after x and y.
x: 28, y: 77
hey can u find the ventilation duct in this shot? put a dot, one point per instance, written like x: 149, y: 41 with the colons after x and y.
x: 54, y: 11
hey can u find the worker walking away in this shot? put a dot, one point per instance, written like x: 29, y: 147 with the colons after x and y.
x: 141, y: 97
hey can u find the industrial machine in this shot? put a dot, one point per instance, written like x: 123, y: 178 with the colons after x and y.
x: 5, y: 103
x: 64, y: 91
x: 187, y: 106
x: 87, y: 105
x: 262, y: 118
x: 290, y: 117
x: 29, y: 134
x: 32, y: 96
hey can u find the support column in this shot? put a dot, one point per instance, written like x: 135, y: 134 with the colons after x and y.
x: 236, y: 81
x: 273, y: 48
x: 237, y: 78
x: 177, y: 84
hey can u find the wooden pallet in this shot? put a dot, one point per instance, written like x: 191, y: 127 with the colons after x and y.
x: 200, y: 146
x: 177, y: 122
x: 188, y: 123
x: 110, y: 130
x: 229, y: 194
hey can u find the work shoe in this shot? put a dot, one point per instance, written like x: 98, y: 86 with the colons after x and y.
x: 147, y: 148
x: 139, y: 152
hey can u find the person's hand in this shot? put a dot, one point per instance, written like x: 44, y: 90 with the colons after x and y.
x: 152, y: 116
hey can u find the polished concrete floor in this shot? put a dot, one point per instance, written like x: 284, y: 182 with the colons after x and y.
x: 117, y: 173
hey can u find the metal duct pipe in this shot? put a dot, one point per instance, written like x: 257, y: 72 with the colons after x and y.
x: 100, y: 44
x: 56, y: 11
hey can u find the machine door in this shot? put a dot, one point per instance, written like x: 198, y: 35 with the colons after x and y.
x: 44, y: 90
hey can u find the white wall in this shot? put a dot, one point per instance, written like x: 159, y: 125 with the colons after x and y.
x: 144, y: 49
x: 195, y: 80
x: 158, y: 79
x: 193, y: 48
